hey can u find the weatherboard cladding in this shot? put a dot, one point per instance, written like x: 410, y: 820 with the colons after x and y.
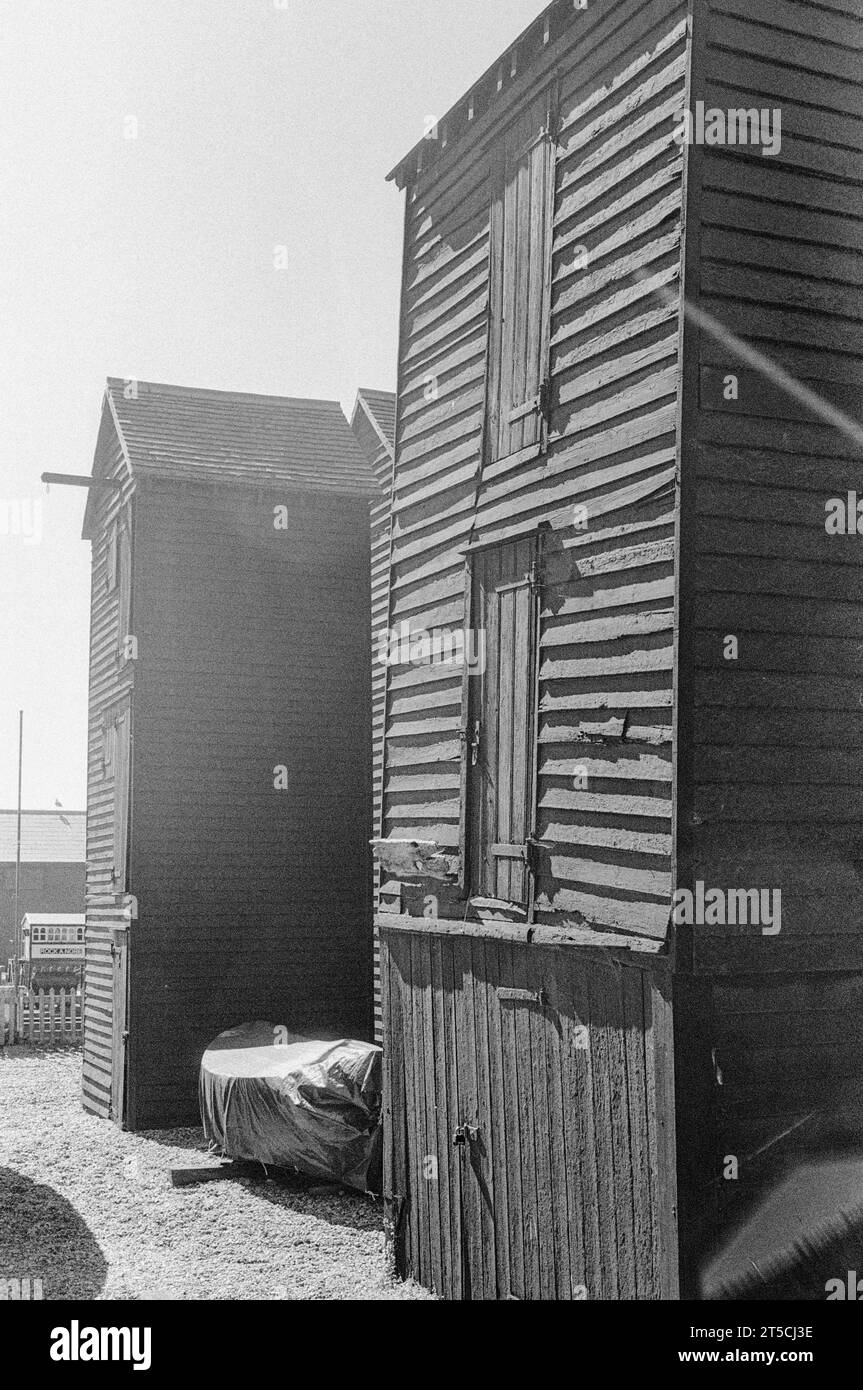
x: 539, y: 390
x: 545, y: 41
x: 254, y: 903
x: 764, y: 787
x: 110, y: 681
x: 252, y: 652
x: 373, y: 423
x: 779, y: 732
x: 607, y: 603
x: 773, y: 784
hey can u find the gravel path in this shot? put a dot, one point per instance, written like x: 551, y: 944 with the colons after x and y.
x: 91, y: 1210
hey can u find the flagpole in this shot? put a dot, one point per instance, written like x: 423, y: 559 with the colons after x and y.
x: 16, y: 938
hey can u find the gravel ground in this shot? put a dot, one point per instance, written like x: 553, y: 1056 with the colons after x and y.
x: 92, y: 1212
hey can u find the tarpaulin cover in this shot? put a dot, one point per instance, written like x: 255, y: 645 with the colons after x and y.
x: 303, y: 1104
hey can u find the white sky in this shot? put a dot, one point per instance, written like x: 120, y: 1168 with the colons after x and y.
x: 260, y: 123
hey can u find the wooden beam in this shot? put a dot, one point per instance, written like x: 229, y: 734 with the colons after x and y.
x: 80, y: 480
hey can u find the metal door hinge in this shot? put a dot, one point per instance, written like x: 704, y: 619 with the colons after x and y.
x: 523, y: 996
x: 532, y: 848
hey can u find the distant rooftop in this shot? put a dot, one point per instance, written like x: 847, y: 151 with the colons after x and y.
x: 55, y: 919
x: 47, y: 837
x: 381, y: 407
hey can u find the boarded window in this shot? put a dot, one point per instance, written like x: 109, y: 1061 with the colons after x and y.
x: 500, y: 746
x: 520, y: 276
x: 122, y: 722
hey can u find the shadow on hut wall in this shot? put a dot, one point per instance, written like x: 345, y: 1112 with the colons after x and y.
x: 800, y: 1237
x: 771, y: 1194
x: 42, y: 1236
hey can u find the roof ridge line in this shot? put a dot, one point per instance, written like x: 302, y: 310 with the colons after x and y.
x: 173, y: 389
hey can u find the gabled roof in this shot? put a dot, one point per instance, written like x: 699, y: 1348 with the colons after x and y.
x: 234, y: 438
x: 47, y: 837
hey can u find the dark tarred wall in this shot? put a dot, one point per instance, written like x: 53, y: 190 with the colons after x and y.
x: 254, y: 904
x: 771, y: 767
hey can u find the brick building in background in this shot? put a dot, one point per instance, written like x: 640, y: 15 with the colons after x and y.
x: 53, y: 855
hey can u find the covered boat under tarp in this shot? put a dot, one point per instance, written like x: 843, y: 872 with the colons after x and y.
x: 295, y: 1102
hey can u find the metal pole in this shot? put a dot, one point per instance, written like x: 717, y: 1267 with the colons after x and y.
x: 17, y: 933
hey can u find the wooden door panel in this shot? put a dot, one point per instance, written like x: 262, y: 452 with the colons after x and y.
x: 564, y: 1187
x: 500, y: 785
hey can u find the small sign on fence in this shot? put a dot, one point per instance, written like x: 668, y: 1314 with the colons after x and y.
x: 51, y: 1016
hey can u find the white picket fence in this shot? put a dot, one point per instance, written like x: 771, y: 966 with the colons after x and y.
x: 49, y: 1017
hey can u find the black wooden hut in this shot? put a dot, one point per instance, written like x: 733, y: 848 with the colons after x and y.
x: 621, y: 506
x: 229, y: 748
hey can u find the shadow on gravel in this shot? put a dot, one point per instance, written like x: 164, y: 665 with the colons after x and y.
x: 309, y: 1196
x: 338, y: 1207
x: 43, y: 1237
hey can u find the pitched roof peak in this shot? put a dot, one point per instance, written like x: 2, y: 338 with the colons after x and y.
x: 235, y: 438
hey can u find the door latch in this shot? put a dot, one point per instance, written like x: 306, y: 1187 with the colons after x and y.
x: 472, y: 742
x: 464, y: 1135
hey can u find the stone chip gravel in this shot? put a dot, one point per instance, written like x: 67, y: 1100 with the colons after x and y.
x: 91, y: 1210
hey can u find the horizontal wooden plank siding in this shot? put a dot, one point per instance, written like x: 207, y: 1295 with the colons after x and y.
x: 253, y: 655
x: 778, y: 776
x: 558, y: 1061
x: 111, y: 680
x: 603, y: 483
x: 529, y: 1088
x: 771, y: 785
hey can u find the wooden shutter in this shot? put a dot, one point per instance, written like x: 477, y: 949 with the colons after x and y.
x: 122, y: 784
x: 502, y: 752
x: 520, y: 291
